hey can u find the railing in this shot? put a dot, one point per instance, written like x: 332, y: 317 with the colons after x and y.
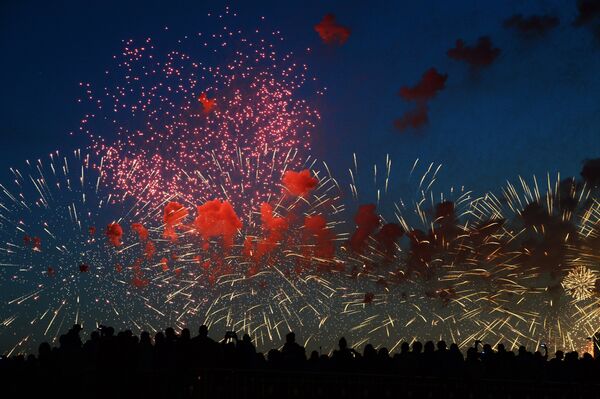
x: 241, y: 384
x: 282, y: 384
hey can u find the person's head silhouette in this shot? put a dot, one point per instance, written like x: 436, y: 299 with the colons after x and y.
x: 428, y: 347
x: 290, y: 338
x: 246, y: 339
x: 417, y: 347
x: 145, y: 338
x: 185, y: 334
x: 342, y: 343
x: 404, y: 348
x: 203, y: 331
x: 170, y: 333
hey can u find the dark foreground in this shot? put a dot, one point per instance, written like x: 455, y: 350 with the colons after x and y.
x: 180, y: 366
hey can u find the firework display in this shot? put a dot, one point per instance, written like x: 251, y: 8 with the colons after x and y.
x: 540, y: 231
x: 186, y: 123
x: 72, y: 252
x: 270, y: 274
x: 198, y: 201
x: 520, y: 268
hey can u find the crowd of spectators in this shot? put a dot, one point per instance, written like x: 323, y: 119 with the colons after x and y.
x: 172, y: 364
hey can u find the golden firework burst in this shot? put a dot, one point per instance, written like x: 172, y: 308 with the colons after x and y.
x: 579, y: 283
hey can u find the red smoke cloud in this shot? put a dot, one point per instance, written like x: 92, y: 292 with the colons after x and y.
x: 92, y: 230
x: 315, y: 230
x: 420, y: 253
x: 141, y: 231
x: 138, y: 279
x: 415, y: 118
x: 535, y: 25
x: 150, y: 250
x: 275, y: 228
x: 207, y: 104
x: 431, y: 82
x: 588, y: 11
x: 164, y: 262
x: 114, y: 232
x: 331, y: 32
x: 139, y: 282
x: 299, y: 183
x: 51, y: 272
x: 217, y: 219
x: 37, y: 244
x: 367, y: 221
x: 480, y: 55
x: 83, y: 268
x: 445, y: 219
x: 174, y: 213
x: 387, y: 237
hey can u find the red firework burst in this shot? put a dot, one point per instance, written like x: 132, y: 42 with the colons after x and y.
x: 223, y: 120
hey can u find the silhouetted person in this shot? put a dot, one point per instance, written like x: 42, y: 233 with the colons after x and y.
x: 246, y: 351
x: 205, y: 350
x: 293, y: 354
x: 370, y: 358
x: 343, y: 356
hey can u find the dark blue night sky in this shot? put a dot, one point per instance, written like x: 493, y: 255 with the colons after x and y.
x: 534, y: 109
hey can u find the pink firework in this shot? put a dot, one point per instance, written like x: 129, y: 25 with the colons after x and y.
x: 219, y: 117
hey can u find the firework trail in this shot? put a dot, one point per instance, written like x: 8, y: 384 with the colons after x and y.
x: 583, y: 259
x: 407, y: 278
x: 221, y: 116
x: 273, y: 273
x: 71, y: 253
x: 542, y: 224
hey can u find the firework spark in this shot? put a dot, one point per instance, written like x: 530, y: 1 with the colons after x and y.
x: 580, y: 283
x: 69, y: 249
x: 190, y: 124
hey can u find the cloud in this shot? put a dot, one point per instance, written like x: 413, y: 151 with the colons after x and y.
x: 141, y: 231
x: 331, y: 32
x: 114, y: 232
x: 591, y: 172
x: 274, y: 228
x: 588, y: 11
x: 217, y: 219
x: 174, y: 213
x: 415, y: 118
x: 149, y: 250
x: 480, y: 55
x: 430, y: 84
x: 367, y: 222
x: 315, y: 227
x: 299, y: 183
x: 387, y: 237
x: 207, y: 104
x: 534, y: 25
